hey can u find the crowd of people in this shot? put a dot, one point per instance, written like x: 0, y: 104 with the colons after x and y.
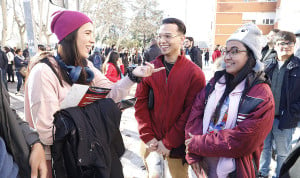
x: 227, y: 127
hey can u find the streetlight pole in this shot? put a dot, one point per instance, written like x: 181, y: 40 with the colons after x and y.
x: 29, y: 27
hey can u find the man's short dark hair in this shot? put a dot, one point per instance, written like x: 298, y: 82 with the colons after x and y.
x: 190, y: 38
x: 41, y: 47
x: 285, y: 36
x: 179, y: 23
x: 275, y: 30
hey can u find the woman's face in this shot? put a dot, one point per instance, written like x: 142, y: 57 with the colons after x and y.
x: 235, y: 57
x: 85, y: 39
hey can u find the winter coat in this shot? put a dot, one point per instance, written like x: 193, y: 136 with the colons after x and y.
x: 152, y: 53
x: 173, y: 98
x: 16, y: 133
x: 196, y: 56
x: 112, y: 73
x: 289, y: 108
x: 87, y: 141
x: 3, y: 60
x: 245, y: 141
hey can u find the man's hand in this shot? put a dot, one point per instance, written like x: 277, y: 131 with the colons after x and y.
x: 37, y: 161
x: 152, y: 145
x: 162, y: 149
x: 146, y: 70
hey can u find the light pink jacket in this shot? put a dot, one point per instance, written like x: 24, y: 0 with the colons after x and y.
x: 43, y: 95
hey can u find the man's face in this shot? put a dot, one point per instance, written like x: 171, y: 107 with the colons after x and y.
x: 284, y: 48
x: 187, y: 43
x: 270, y: 37
x: 170, y: 40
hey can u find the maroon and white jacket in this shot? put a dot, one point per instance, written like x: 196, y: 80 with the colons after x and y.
x: 245, y: 141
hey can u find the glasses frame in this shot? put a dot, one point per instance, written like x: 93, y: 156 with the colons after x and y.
x: 166, y: 37
x: 229, y: 52
x: 289, y: 44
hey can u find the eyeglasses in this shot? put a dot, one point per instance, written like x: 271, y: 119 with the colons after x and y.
x: 166, y: 37
x: 286, y: 43
x: 234, y: 51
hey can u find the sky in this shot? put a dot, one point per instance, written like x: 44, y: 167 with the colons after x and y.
x: 196, y: 14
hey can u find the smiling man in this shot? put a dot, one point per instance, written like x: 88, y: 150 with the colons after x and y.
x: 164, y: 100
x: 285, y: 78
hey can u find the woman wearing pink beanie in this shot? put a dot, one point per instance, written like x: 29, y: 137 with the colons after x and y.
x: 51, y: 78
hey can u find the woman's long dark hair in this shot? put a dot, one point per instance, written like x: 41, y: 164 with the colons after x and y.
x: 70, y: 56
x: 231, y: 81
x: 113, y: 58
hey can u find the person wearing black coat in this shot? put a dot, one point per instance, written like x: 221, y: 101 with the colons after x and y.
x: 194, y: 52
x: 152, y: 52
x: 21, y: 142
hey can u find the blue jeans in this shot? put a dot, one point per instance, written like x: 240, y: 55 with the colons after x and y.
x: 20, y: 79
x: 283, y: 145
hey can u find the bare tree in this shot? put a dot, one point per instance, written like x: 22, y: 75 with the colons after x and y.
x: 146, y: 21
x: 19, y: 19
x: 4, y: 22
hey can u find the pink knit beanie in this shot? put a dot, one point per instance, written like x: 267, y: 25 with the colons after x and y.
x: 65, y: 22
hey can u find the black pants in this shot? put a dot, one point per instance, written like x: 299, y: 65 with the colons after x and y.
x: 10, y: 72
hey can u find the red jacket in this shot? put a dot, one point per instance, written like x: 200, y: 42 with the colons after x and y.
x: 215, y: 55
x: 173, y: 98
x: 245, y: 141
x: 112, y: 73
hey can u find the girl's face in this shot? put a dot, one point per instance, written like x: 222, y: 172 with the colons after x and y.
x: 85, y: 39
x: 235, y: 57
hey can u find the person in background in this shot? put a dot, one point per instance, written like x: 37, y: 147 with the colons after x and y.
x: 206, y: 57
x: 19, y: 63
x: 113, y: 68
x: 233, y: 115
x: 164, y: 100
x: 96, y: 59
x: 297, y: 45
x: 51, y: 78
x: 3, y: 67
x: 268, y: 52
x: 10, y: 71
x: 283, y: 72
x: 21, y: 151
x: 152, y: 52
x: 193, y: 52
x: 216, y: 53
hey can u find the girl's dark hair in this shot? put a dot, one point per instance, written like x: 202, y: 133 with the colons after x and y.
x: 70, y: 56
x: 6, y: 49
x: 18, y: 50
x: 113, y: 58
x: 231, y: 81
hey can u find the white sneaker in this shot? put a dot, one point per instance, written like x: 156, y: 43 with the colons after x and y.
x: 18, y: 93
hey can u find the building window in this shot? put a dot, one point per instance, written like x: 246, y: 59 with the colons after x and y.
x: 268, y: 21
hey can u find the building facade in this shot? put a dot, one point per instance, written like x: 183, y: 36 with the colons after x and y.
x: 231, y: 14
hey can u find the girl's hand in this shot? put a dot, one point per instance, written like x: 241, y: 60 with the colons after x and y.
x: 146, y: 70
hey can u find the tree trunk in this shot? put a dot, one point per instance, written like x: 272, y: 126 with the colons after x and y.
x: 4, y: 20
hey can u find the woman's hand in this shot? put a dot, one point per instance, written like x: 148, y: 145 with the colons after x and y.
x: 37, y: 161
x: 200, y: 169
x: 187, y: 142
x: 146, y: 70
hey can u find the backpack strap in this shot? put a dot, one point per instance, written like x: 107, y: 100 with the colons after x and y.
x: 46, y: 61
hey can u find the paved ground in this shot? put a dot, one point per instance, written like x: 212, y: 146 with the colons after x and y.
x: 133, y: 166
